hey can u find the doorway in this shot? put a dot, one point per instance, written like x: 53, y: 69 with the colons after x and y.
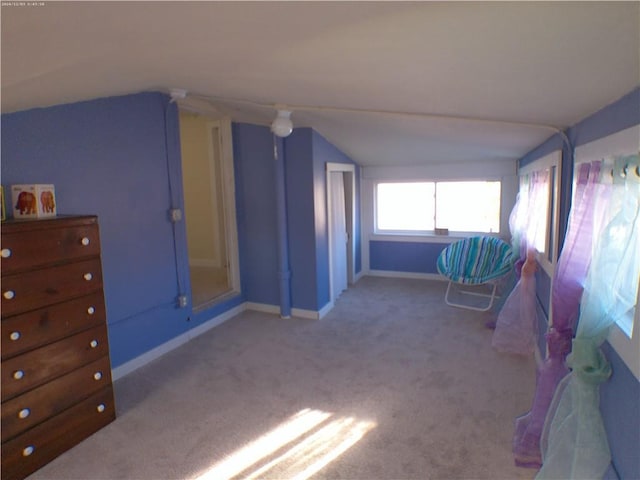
x: 207, y: 170
x: 341, y: 220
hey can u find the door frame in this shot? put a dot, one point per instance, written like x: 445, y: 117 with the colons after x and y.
x: 225, y: 144
x: 349, y: 176
x: 229, y: 203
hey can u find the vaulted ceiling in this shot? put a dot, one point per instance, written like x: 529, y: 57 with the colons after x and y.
x: 389, y: 83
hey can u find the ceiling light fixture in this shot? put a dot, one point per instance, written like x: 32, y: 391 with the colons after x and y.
x: 282, y: 125
x: 177, y: 94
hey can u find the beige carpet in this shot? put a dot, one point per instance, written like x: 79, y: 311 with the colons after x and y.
x: 392, y: 384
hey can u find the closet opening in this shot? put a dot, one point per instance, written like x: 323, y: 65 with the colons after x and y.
x: 209, y: 204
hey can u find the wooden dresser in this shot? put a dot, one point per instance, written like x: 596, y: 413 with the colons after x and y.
x: 56, y: 373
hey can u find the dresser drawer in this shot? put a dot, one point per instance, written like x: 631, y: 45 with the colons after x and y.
x: 31, y: 450
x: 22, y: 292
x: 27, y: 371
x: 24, y: 411
x: 29, y: 330
x: 34, y: 245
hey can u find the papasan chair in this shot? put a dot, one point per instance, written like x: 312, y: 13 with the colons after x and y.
x: 476, y: 261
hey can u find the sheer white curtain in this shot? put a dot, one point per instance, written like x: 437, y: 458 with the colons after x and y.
x: 517, y: 319
x: 529, y: 217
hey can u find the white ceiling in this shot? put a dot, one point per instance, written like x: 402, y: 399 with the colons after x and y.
x: 546, y: 63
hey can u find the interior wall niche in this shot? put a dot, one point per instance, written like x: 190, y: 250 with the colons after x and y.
x: 207, y: 169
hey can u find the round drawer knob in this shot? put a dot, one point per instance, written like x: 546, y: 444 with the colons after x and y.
x: 93, y: 343
x: 9, y: 294
x: 5, y: 253
x: 85, y: 241
x: 18, y: 374
x: 26, y: 451
x: 97, y: 376
x: 24, y: 413
x: 91, y: 310
x: 100, y: 408
x: 88, y: 276
x: 14, y: 336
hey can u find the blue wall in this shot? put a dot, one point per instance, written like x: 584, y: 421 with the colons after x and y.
x: 300, y: 220
x: 619, y: 396
x: 306, y: 155
x: 258, y: 240
x: 113, y: 158
x: 324, y: 152
x: 119, y: 158
x: 414, y: 257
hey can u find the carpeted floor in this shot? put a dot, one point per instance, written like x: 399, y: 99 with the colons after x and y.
x: 392, y: 384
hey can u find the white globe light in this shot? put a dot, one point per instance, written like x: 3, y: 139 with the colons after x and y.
x: 282, y: 125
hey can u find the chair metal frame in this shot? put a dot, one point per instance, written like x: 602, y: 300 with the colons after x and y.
x: 491, y: 280
x: 492, y: 296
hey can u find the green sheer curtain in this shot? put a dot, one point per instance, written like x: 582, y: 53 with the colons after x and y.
x: 574, y: 441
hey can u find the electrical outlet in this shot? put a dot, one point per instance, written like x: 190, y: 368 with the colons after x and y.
x: 182, y: 301
x: 175, y: 214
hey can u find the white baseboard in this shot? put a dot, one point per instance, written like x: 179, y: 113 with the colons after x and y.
x: 358, y: 276
x: 312, y: 314
x: 216, y: 321
x: 295, y: 312
x: 324, y: 310
x: 147, y: 357
x: 307, y: 314
x: 263, y: 307
x: 419, y: 276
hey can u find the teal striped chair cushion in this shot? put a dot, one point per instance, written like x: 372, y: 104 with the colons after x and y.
x: 476, y: 260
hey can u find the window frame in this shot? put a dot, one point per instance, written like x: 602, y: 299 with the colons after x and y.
x: 624, y: 142
x: 548, y: 259
x: 413, y: 234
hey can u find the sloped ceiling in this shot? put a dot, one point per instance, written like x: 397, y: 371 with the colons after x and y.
x: 442, y: 67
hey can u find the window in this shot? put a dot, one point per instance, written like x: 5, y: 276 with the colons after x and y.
x: 405, y: 206
x: 624, y: 335
x: 536, y: 218
x: 422, y: 207
x: 468, y: 206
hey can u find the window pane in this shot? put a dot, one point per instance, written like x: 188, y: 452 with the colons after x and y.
x: 468, y: 206
x: 538, y: 223
x: 405, y: 206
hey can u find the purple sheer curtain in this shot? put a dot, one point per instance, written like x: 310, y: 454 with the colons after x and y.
x: 567, y: 289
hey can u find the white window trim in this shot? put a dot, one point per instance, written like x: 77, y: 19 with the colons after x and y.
x: 505, y: 171
x: 628, y: 348
x: 624, y: 142
x: 429, y: 236
x: 426, y: 238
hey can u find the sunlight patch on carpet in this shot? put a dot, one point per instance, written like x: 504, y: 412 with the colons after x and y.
x: 296, y: 449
